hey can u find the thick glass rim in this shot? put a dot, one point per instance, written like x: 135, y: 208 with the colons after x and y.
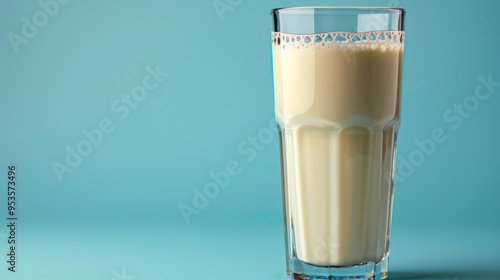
x: 339, y: 8
x: 322, y: 19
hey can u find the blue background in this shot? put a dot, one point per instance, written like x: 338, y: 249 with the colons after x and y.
x: 116, y: 215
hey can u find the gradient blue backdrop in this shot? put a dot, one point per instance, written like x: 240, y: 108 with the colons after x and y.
x: 116, y: 215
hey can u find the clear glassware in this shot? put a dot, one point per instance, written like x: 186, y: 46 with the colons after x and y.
x: 337, y: 85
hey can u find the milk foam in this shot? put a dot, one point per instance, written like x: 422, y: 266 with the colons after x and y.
x: 381, y: 40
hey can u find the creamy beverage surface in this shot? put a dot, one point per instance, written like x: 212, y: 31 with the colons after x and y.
x: 337, y: 101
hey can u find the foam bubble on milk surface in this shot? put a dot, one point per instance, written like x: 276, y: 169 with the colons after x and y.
x: 380, y: 40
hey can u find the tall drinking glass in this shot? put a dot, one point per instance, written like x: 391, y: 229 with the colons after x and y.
x: 337, y: 85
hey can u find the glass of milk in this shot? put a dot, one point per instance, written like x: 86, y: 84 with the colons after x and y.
x: 337, y: 84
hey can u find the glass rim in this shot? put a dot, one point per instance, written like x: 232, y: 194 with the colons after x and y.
x: 339, y: 8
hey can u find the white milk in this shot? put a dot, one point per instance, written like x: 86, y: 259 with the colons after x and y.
x: 338, y: 107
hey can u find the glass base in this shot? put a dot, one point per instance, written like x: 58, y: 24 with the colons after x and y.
x: 300, y: 270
